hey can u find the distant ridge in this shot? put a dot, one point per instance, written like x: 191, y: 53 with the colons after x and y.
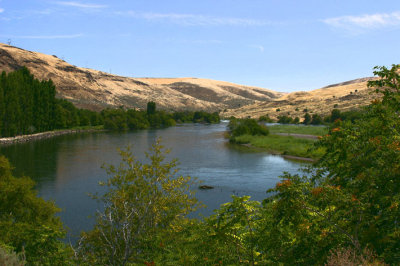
x: 96, y: 90
x: 345, y: 96
x: 349, y: 82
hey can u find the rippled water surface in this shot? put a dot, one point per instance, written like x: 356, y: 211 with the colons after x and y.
x: 67, y: 168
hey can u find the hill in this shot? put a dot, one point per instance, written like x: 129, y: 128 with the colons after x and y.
x: 96, y: 90
x: 344, y: 96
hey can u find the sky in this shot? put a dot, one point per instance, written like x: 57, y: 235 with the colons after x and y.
x: 284, y: 45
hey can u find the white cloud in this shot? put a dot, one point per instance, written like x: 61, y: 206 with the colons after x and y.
x: 1, y: 10
x: 80, y: 5
x: 258, y: 46
x: 46, y: 11
x: 204, y: 41
x: 43, y: 36
x: 195, y: 20
x: 365, y: 22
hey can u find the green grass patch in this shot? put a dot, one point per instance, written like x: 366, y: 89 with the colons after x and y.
x: 297, y: 129
x: 99, y: 127
x: 285, y: 145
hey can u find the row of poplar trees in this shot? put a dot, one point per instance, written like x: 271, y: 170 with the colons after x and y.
x: 27, y: 105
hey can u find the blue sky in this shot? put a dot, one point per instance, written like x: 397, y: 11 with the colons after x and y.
x: 277, y: 44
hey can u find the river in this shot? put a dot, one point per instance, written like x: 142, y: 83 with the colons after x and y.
x: 67, y: 168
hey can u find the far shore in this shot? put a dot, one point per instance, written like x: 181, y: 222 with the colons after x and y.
x: 286, y: 156
x: 43, y: 135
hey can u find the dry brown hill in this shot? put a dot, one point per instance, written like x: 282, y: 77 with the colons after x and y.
x: 344, y: 96
x: 96, y: 90
x: 92, y: 89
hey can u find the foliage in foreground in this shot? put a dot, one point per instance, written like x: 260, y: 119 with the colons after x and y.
x: 28, y: 223
x: 143, y: 205
x: 9, y: 258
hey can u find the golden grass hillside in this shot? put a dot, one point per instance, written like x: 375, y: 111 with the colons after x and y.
x: 96, y: 90
x: 344, y: 96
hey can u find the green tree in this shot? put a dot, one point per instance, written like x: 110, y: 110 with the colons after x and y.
x: 27, y: 222
x: 151, y: 108
x: 10, y: 258
x: 285, y: 119
x: 247, y: 126
x: 352, y: 198
x: 316, y: 119
x: 143, y: 201
x: 234, y: 231
x: 265, y: 118
x: 307, y: 119
x: 335, y: 114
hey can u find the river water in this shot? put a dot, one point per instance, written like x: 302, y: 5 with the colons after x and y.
x: 67, y: 168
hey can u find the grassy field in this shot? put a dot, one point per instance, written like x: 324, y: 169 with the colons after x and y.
x: 287, y: 145
x: 282, y: 145
x: 298, y: 129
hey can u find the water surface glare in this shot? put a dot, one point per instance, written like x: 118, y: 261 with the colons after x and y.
x: 67, y: 168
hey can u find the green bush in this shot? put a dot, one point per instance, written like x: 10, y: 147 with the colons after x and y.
x: 285, y: 119
x: 144, y: 204
x: 265, y: 118
x: 10, y: 258
x: 246, y: 126
x: 28, y: 223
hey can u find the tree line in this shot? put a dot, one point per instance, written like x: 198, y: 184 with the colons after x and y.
x: 28, y: 106
x: 121, y: 119
x: 316, y: 119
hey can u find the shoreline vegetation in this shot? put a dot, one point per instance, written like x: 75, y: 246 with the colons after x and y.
x: 276, y: 143
x: 289, y: 147
x: 29, y: 106
x: 290, y: 141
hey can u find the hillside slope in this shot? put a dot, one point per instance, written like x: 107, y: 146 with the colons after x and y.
x: 344, y: 96
x: 96, y: 90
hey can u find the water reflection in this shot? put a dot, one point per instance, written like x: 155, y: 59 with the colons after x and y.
x: 67, y: 168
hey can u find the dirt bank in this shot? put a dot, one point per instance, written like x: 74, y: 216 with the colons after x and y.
x: 42, y: 135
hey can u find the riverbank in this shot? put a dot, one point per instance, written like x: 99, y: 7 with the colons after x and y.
x: 294, y: 142
x: 46, y: 135
x: 283, y: 154
x: 294, y: 147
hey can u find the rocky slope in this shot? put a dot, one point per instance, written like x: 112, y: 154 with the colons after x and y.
x: 96, y: 90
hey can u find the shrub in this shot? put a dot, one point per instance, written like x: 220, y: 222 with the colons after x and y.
x: 144, y: 201
x: 246, y: 127
x: 265, y: 118
x: 10, y: 258
x: 285, y: 119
